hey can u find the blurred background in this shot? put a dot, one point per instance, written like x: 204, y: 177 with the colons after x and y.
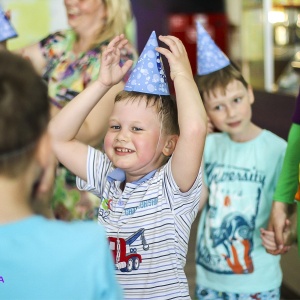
x: 261, y: 36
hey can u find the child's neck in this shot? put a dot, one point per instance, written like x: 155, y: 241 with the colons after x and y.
x: 251, y: 133
x: 14, y: 203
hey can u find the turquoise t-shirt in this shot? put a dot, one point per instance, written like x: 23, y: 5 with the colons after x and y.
x: 241, y: 178
x: 43, y: 259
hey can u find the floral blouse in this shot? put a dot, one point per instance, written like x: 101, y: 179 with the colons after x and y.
x: 68, y: 74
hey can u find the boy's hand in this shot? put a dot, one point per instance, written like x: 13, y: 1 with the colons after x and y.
x: 269, y: 242
x: 177, y: 57
x: 268, y: 239
x: 279, y: 224
x: 210, y: 126
x: 111, y: 72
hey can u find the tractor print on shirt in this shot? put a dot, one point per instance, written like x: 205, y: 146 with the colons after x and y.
x: 126, y: 257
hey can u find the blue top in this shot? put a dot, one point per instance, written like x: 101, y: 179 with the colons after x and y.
x: 47, y: 259
x: 241, y: 178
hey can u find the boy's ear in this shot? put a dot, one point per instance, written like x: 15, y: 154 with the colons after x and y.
x: 250, y: 94
x: 170, y: 145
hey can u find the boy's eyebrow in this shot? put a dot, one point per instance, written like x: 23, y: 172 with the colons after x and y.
x: 131, y: 121
x: 236, y: 95
x: 111, y: 119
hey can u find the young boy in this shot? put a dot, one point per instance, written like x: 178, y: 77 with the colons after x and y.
x: 241, y: 167
x: 149, y: 189
x: 40, y: 258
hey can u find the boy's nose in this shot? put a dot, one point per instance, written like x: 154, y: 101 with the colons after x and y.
x: 231, y: 111
x: 121, y: 136
x: 120, y: 139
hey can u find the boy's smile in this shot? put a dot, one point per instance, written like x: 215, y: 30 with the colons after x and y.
x: 134, y: 139
x: 123, y: 151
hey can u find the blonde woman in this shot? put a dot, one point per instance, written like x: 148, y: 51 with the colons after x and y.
x: 69, y: 61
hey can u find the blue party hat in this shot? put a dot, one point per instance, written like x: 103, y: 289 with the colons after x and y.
x: 6, y: 29
x: 210, y: 57
x: 148, y: 75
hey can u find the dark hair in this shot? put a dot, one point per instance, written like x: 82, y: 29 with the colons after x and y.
x: 166, y: 108
x: 24, y: 112
x: 219, y: 79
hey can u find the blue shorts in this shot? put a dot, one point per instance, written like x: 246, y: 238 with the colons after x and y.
x: 203, y: 293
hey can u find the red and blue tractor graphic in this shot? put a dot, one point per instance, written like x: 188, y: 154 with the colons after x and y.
x: 126, y: 257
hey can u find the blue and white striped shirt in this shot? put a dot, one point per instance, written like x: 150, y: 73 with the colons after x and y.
x: 148, y: 225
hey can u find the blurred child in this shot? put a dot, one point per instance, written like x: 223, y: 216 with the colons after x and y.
x: 284, y: 220
x: 241, y: 165
x: 40, y: 258
x: 149, y: 178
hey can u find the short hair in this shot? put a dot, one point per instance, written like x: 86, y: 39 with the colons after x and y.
x: 24, y: 112
x: 119, y: 14
x: 219, y: 79
x: 165, y: 105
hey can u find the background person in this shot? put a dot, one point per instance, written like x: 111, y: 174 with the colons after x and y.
x: 241, y: 179
x: 69, y: 61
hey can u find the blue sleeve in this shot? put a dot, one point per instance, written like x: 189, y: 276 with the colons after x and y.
x: 113, y: 290
x: 109, y: 288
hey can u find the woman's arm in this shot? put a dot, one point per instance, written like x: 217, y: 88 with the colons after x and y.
x: 35, y: 55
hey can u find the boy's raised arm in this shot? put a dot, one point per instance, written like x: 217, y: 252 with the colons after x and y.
x: 66, y: 124
x: 192, y: 119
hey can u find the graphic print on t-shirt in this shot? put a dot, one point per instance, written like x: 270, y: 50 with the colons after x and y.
x: 126, y: 255
x: 226, y: 240
x: 104, y: 209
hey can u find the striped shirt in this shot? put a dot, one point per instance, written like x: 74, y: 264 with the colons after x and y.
x: 148, y: 226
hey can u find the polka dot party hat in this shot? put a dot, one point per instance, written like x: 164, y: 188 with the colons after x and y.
x: 210, y: 58
x: 6, y: 29
x: 148, y: 75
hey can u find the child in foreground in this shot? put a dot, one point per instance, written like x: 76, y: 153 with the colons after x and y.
x: 242, y: 164
x: 40, y: 258
x: 149, y: 178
